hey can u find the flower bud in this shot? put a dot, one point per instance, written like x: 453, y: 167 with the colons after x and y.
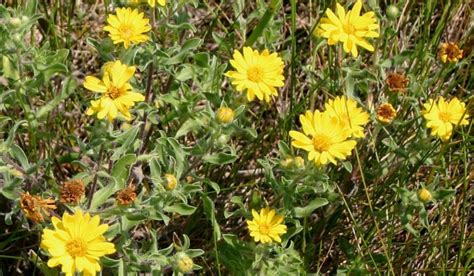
x: 171, y: 182
x: 392, y: 12
x: 225, y: 115
x: 184, y: 263
x: 424, y: 195
x: 298, y: 161
x: 15, y: 21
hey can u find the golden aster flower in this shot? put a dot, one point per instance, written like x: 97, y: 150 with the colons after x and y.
x: 35, y: 207
x: 171, y: 182
x: 351, y: 116
x: 450, y: 52
x: 266, y: 226
x: 225, y: 115
x: 76, y: 243
x: 257, y: 73
x: 127, y: 26
x: 386, y: 113
x: 443, y: 116
x: 126, y: 196
x: 72, y: 191
x: 151, y: 2
x: 397, y: 82
x: 117, y: 94
x: 349, y: 28
x: 323, y: 137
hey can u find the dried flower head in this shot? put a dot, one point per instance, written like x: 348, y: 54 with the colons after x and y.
x: 126, y: 196
x: 35, y: 207
x: 72, y: 191
x: 386, y: 113
x: 450, y: 52
x: 397, y: 82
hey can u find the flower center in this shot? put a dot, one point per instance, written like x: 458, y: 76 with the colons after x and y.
x: 386, y: 112
x: 76, y: 247
x: 321, y: 142
x: 444, y: 116
x: 264, y: 229
x: 113, y: 92
x: 452, y: 51
x: 125, y: 31
x: 349, y: 28
x: 255, y: 74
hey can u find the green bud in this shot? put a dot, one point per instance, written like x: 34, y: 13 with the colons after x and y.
x: 392, y: 12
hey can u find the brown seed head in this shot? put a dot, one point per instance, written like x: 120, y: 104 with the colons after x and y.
x: 126, y: 196
x: 386, y: 113
x: 35, y: 207
x: 72, y: 191
x: 397, y: 82
x: 450, y: 52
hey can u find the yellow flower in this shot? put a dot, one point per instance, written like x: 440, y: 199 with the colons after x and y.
x: 258, y: 73
x: 151, y: 2
x: 324, y: 138
x: 127, y: 26
x: 424, y: 195
x: 266, y: 226
x: 76, y: 243
x: 386, y: 113
x: 225, y: 115
x: 349, y: 28
x: 117, y: 93
x: 450, y: 52
x: 347, y: 111
x: 171, y: 182
x: 443, y: 116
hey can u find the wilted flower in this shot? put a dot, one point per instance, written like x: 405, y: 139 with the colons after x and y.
x: 397, y: 82
x: 386, y: 113
x: 72, y: 191
x: 450, y: 52
x: 127, y: 26
x: 257, y: 73
x: 126, y: 196
x: 349, y: 28
x: 35, y: 207
x: 225, y: 115
x: 424, y: 195
x: 117, y: 94
x: 171, y: 182
x: 266, y: 226
x: 76, y: 243
x: 443, y: 116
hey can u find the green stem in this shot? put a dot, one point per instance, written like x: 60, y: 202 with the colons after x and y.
x: 257, y: 32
